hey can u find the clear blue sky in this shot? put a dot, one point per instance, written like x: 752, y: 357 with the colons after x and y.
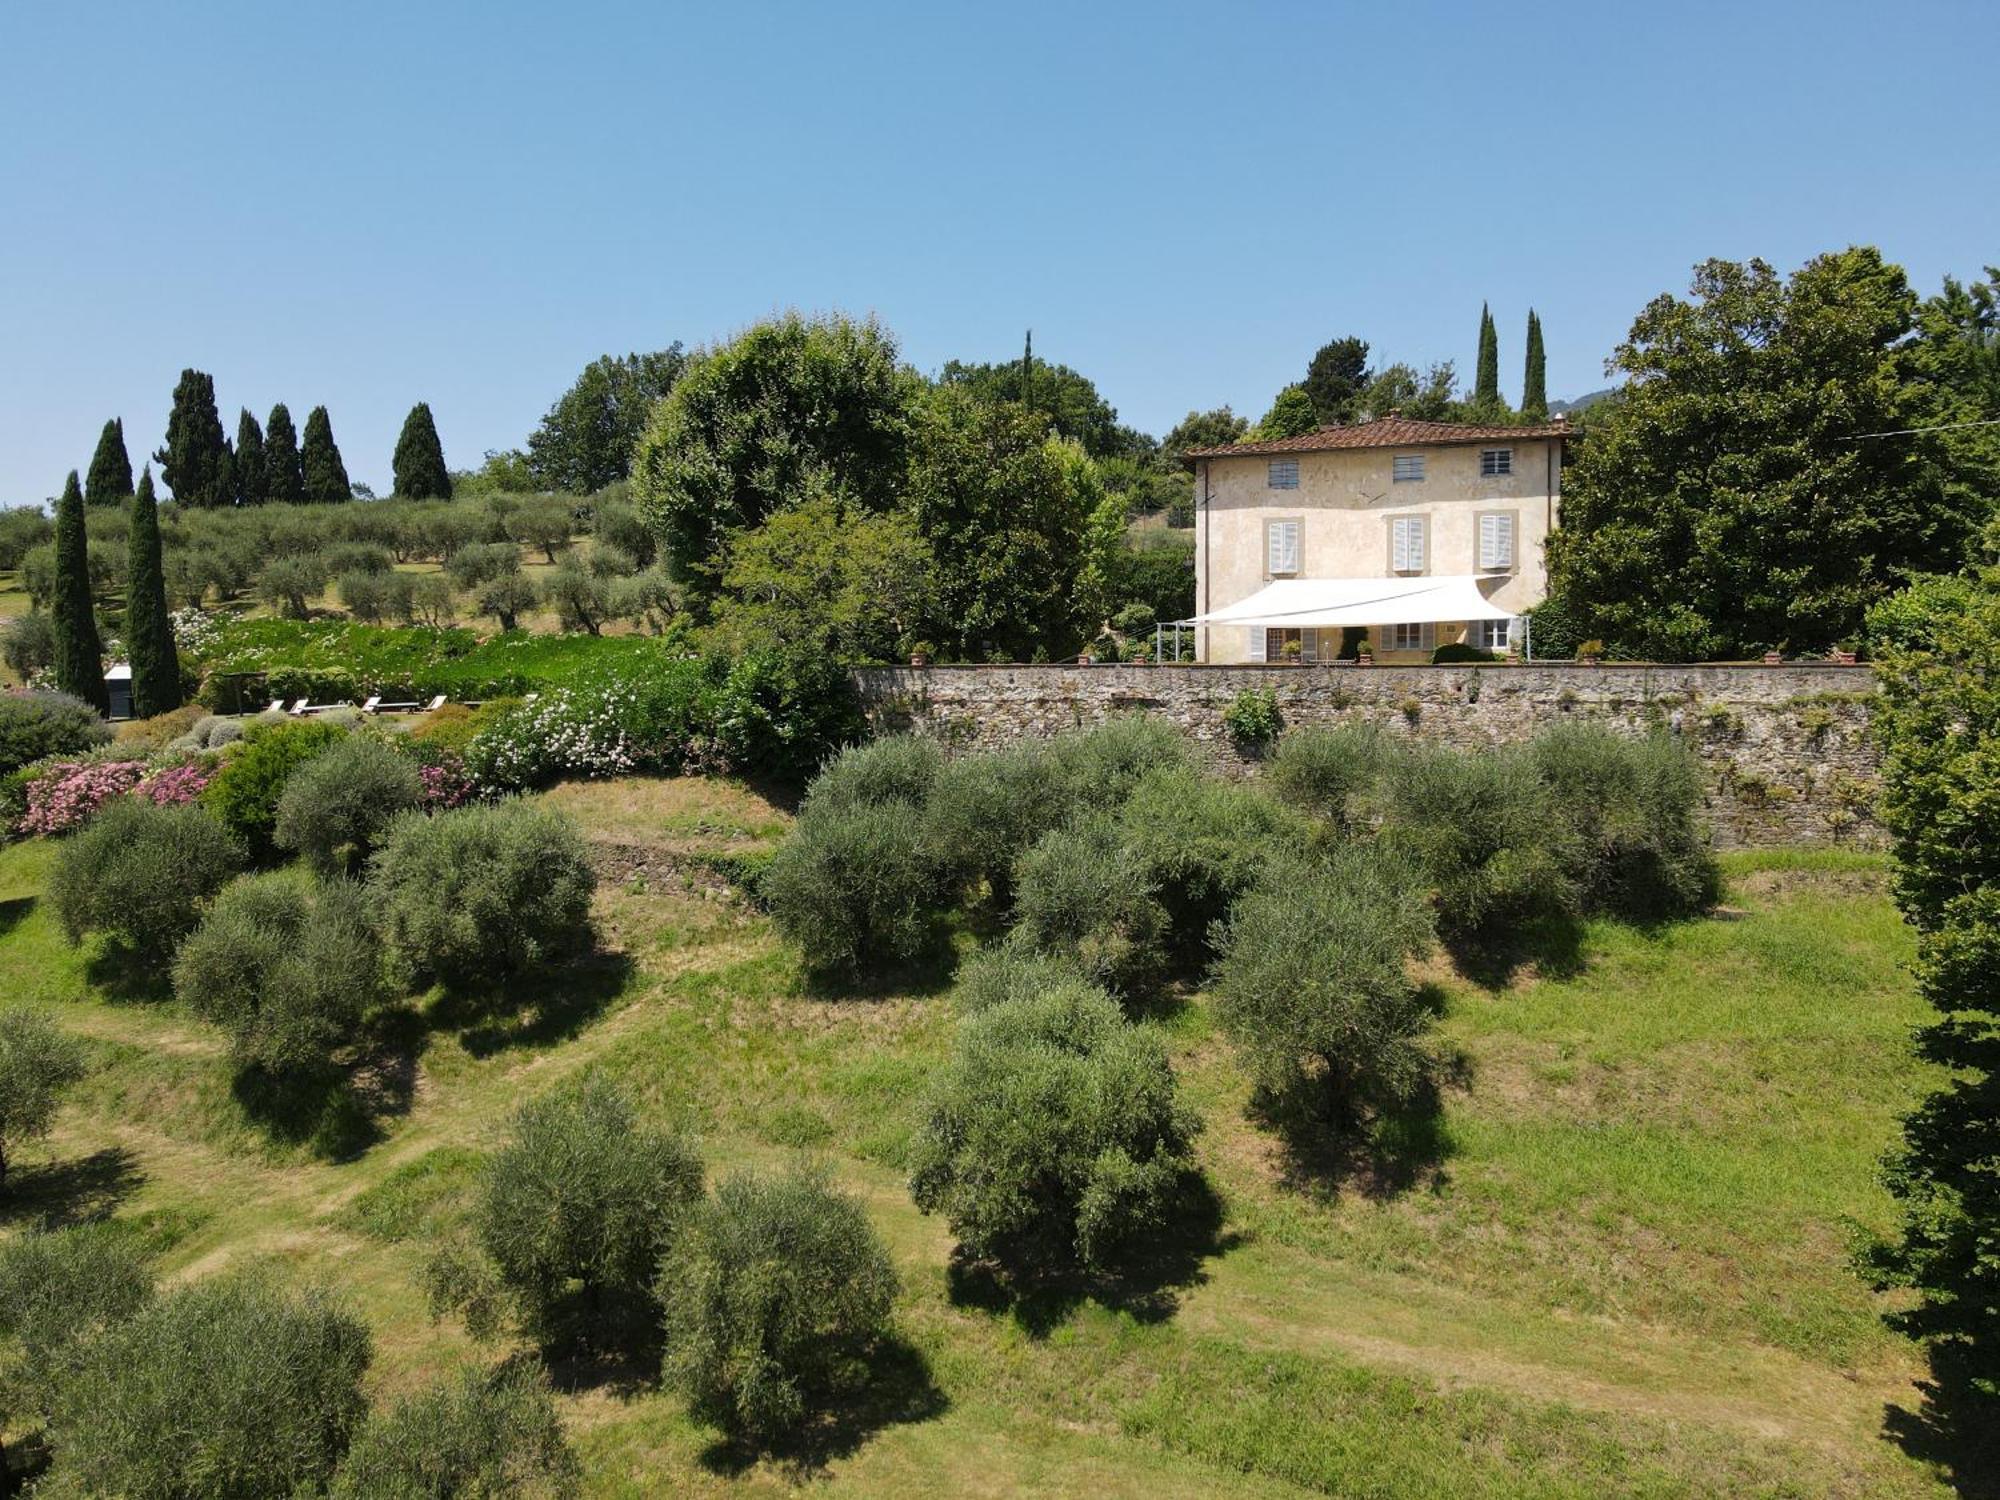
x: 370, y: 204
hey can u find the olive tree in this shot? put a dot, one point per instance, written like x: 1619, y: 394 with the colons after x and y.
x: 37, y: 1062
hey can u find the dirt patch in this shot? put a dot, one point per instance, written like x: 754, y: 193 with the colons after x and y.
x: 1778, y: 883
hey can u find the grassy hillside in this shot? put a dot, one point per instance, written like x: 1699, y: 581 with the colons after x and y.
x: 1614, y: 1265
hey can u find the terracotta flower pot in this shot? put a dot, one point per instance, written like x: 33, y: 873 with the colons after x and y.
x: 918, y: 659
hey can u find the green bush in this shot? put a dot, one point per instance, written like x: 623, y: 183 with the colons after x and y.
x: 576, y: 1212
x: 1202, y: 842
x: 286, y: 969
x: 1330, y: 773
x: 1632, y: 808
x: 1100, y: 766
x: 1085, y: 894
x: 28, y: 644
x: 1459, y: 651
x: 1253, y: 719
x: 142, y: 874
x: 479, y: 893
x: 36, y: 725
x: 336, y: 806
x: 856, y: 885
x: 228, y: 1386
x: 1013, y: 971
x: 488, y: 1433
x: 246, y: 791
x: 899, y: 769
x: 38, y: 1061
x: 1313, y: 981
x: 773, y: 1294
x: 62, y: 1288
x: 1485, y: 832
x: 1053, y: 1137
x: 480, y: 563
x: 985, y: 811
x: 289, y: 584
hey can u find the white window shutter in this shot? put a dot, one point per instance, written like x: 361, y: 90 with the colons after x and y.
x: 1408, y: 549
x: 1291, y: 535
x: 1256, y: 642
x: 1283, y: 540
x: 1496, y: 540
x: 1399, y: 546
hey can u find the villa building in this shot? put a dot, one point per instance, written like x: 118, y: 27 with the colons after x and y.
x: 1409, y: 534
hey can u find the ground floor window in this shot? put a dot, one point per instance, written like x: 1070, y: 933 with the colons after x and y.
x: 1276, y: 643
x: 1409, y: 637
x: 1494, y: 635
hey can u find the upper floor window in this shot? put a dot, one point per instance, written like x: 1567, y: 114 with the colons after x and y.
x: 1495, y: 461
x: 1405, y: 467
x: 1496, y: 539
x: 1284, y: 474
x: 1281, y: 547
x: 1406, y: 544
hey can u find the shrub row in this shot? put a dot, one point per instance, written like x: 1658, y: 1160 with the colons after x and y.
x: 238, y: 1385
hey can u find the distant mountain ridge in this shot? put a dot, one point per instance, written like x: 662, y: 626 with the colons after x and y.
x: 1582, y: 401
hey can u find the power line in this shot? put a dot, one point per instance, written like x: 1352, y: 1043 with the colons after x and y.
x: 1909, y: 431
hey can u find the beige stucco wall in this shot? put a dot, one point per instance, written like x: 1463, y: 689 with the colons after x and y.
x: 1345, y: 501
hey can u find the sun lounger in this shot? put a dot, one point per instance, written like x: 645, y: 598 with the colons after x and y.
x: 372, y: 704
x: 297, y: 708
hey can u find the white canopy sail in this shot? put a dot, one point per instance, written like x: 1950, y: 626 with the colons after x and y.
x: 1325, y: 602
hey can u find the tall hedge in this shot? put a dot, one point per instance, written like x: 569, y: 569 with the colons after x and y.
x: 79, y: 654
x: 1939, y: 719
x: 149, y: 629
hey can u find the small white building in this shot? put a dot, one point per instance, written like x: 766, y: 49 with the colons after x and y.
x: 1414, y: 534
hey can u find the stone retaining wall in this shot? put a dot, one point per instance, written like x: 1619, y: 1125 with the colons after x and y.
x: 1787, y: 749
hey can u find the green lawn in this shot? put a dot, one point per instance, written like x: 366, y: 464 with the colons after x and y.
x: 1620, y: 1270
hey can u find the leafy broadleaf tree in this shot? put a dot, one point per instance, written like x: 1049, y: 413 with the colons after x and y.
x: 1336, y: 377
x: 1535, y: 376
x: 1291, y: 415
x: 1062, y: 398
x: 1430, y: 395
x: 792, y: 407
x: 253, y: 481
x: 324, y: 475
x: 195, y: 462
x: 110, y: 477
x: 1729, y: 503
x: 1202, y: 429
x: 1940, y: 723
x: 149, y: 628
x: 284, y: 474
x: 79, y: 653
x: 586, y: 440
x: 419, y: 460
x: 1019, y: 528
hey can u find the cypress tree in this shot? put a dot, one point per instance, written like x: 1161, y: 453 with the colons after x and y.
x: 419, y: 462
x: 110, y: 478
x: 195, y: 462
x: 284, y: 477
x: 1486, y: 387
x: 149, y: 631
x: 252, y: 481
x: 319, y: 458
x: 79, y: 653
x: 1535, y: 381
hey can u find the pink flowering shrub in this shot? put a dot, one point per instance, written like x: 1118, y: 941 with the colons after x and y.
x: 68, y: 795
x: 445, y: 783
x: 177, y: 784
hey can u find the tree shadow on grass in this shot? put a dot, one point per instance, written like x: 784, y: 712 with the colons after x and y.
x: 83, y: 1190
x: 1147, y: 1282
x: 125, y: 976
x: 320, y: 1109
x: 1495, y: 956
x: 1955, y: 1430
x: 536, y: 1009
x: 1379, y: 1153
x: 14, y: 912
x: 895, y: 1388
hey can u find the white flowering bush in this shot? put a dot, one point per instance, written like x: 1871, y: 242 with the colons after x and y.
x: 569, y: 732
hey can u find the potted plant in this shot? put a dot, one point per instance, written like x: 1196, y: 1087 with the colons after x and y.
x: 1364, y: 653
x: 1590, y: 653
x: 1290, y: 652
x: 1084, y: 657
x: 1773, y: 658
x: 920, y: 654
x: 1847, y: 652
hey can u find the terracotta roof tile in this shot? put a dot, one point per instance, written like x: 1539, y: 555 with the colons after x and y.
x: 1383, y: 432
